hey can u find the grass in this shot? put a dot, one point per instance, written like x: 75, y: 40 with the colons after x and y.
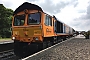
x: 5, y: 39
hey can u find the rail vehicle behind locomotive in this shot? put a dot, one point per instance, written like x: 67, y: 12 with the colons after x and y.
x: 32, y: 27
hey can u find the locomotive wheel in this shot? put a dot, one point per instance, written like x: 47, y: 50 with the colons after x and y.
x: 17, y: 50
x: 20, y: 49
x: 42, y: 45
x: 49, y: 43
x: 45, y: 45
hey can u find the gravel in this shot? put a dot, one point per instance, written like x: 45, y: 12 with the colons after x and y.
x: 74, y: 49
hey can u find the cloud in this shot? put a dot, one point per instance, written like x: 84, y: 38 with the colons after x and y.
x: 71, y: 12
x: 6, y: 3
x: 82, y: 22
x: 81, y: 11
x: 32, y: 0
x: 76, y: 3
x: 49, y: 6
x: 12, y: 4
x: 75, y: 13
x: 88, y: 12
x: 54, y: 7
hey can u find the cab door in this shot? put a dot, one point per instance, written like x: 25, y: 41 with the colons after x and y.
x: 48, y: 26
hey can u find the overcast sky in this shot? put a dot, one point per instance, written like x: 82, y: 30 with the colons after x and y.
x: 75, y: 13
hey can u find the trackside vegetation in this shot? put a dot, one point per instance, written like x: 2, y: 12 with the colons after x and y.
x: 5, y: 21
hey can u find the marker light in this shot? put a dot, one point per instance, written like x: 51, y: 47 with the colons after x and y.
x: 13, y: 38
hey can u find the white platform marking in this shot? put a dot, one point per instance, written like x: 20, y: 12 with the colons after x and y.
x: 46, y: 49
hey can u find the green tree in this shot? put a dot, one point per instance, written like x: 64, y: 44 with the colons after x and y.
x: 5, y: 21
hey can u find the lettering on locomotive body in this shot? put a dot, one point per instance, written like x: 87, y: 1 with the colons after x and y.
x: 48, y: 30
x: 37, y: 32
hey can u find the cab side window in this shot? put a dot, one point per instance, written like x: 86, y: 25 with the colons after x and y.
x: 48, y: 20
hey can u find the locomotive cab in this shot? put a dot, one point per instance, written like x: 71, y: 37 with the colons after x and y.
x: 27, y: 26
x: 27, y: 29
x: 27, y: 32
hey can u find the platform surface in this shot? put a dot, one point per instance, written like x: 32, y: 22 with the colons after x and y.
x: 77, y: 48
x: 6, y: 41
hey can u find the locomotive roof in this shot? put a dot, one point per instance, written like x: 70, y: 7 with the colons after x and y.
x: 28, y: 6
x: 57, y: 19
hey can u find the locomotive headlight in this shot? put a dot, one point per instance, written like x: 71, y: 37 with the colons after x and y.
x: 13, y: 38
x: 35, y: 38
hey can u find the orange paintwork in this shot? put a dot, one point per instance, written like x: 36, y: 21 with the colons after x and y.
x: 27, y: 33
x: 48, y: 31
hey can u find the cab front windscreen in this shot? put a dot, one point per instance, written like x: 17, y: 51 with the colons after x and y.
x: 19, y: 20
x: 34, y: 18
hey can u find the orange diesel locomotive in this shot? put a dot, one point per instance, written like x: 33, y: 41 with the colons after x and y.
x: 32, y: 29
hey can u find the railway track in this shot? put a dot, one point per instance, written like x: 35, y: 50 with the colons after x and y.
x: 9, y: 54
x: 6, y: 55
x: 6, y: 46
x: 7, y: 51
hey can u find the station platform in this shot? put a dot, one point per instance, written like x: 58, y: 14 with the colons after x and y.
x: 6, y: 41
x: 77, y: 48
